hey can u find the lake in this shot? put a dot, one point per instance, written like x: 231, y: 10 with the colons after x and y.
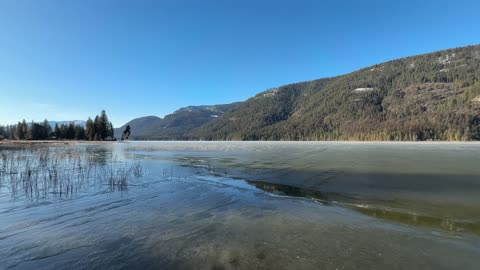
x: 240, y: 205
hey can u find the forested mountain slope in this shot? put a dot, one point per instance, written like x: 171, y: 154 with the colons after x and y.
x: 174, y: 126
x: 433, y: 96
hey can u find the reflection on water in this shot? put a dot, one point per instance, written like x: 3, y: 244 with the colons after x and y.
x: 390, y: 214
x: 292, y: 191
x: 185, y: 206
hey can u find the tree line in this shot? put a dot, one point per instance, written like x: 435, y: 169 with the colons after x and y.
x: 100, y: 129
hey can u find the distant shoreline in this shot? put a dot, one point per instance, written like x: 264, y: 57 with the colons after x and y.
x: 14, y: 143
x: 41, y: 142
x: 49, y: 141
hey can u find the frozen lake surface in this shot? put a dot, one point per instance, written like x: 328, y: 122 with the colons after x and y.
x: 240, y: 205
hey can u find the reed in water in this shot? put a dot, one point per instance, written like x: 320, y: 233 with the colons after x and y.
x: 37, y: 173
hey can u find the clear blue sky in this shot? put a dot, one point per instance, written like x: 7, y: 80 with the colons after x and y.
x: 66, y: 60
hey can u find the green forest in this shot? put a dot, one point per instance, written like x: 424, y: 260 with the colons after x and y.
x: 99, y: 129
x: 428, y: 97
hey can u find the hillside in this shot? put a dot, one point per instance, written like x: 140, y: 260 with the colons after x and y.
x: 174, y: 126
x: 433, y: 96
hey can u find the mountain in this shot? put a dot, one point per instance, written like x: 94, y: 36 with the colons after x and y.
x: 75, y: 122
x: 138, y: 125
x: 434, y: 96
x: 174, y: 126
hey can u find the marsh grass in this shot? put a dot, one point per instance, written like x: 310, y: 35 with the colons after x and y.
x: 37, y: 173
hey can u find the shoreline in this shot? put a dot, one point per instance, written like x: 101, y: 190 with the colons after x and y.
x: 50, y: 141
x: 324, y: 142
x: 66, y: 142
x: 10, y: 143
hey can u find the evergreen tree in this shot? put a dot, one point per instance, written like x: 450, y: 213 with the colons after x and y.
x: 46, y: 129
x: 97, y: 128
x: 110, y: 130
x: 79, y: 133
x: 126, y: 133
x: 3, y: 133
x: 70, y: 132
x: 106, y: 127
x: 90, y: 130
x: 21, y: 130
x: 102, y: 127
x: 34, y: 131
x: 57, y: 132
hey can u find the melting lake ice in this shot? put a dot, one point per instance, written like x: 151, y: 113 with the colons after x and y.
x: 240, y: 205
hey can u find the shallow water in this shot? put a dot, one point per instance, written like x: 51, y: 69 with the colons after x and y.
x: 239, y: 205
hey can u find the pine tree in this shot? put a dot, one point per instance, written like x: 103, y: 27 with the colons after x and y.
x: 79, y: 132
x: 56, y: 130
x: 97, y: 128
x: 47, y: 129
x: 21, y: 130
x: 105, y: 126
x: 90, y: 130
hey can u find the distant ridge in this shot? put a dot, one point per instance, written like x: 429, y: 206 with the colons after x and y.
x: 433, y: 96
x: 174, y: 126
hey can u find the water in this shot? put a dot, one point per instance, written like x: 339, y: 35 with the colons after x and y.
x: 239, y: 205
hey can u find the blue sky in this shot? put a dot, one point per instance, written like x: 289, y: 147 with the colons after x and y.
x: 66, y: 60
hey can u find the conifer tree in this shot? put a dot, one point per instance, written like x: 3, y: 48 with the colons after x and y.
x: 90, y: 130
